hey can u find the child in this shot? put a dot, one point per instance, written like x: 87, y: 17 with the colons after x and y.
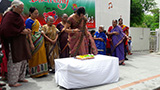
x: 93, y: 32
x: 129, y: 45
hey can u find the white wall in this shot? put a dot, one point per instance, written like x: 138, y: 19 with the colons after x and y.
x: 140, y: 39
x: 158, y: 43
x: 104, y: 16
x: 158, y: 3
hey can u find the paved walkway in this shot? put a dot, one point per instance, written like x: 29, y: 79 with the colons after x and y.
x: 141, y: 72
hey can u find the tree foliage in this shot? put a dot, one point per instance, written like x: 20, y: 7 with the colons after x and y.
x: 152, y: 21
x: 139, y: 18
x: 148, y: 4
x: 155, y: 19
x: 137, y: 12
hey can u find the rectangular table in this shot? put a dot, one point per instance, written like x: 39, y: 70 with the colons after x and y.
x: 73, y: 73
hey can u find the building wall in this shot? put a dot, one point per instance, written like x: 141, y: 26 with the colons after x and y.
x: 104, y: 15
x: 140, y: 38
x: 158, y: 3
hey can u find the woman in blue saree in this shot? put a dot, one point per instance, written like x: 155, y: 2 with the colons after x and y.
x: 100, y: 40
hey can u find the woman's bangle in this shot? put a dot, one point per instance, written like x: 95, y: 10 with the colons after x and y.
x: 72, y: 30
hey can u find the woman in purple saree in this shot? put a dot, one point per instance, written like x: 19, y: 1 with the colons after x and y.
x: 117, y: 45
x: 63, y: 36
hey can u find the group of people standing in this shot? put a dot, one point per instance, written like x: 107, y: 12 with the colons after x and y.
x: 29, y: 43
x: 115, y: 42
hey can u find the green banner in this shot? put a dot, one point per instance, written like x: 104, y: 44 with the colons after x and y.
x: 57, y: 8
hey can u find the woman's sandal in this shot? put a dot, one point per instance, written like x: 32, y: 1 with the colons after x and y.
x: 2, y: 84
x: 23, y: 80
x: 122, y: 63
x: 15, y: 85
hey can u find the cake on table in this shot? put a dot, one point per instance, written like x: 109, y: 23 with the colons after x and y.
x: 84, y: 57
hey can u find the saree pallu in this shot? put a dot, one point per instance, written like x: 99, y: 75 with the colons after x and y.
x: 117, y: 44
x: 93, y: 48
x: 78, y: 41
x: 38, y: 64
x: 63, y: 36
x: 52, y: 53
x: 101, y: 45
x: 74, y: 39
x: 125, y: 29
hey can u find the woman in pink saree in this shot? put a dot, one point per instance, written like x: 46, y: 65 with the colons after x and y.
x: 80, y: 40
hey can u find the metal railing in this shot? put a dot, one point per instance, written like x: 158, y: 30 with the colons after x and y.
x: 153, y: 41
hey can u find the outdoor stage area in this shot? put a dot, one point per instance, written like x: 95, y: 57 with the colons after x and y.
x: 141, y: 72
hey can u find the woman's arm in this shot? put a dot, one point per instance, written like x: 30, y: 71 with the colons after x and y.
x: 29, y: 23
x: 31, y: 42
x: 26, y: 31
x: 43, y: 33
x: 100, y: 39
x: 54, y: 41
x: 56, y: 37
x: 86, y: 31
x: 46, y: 37
x: 112, y: 33
x: 68, y: 29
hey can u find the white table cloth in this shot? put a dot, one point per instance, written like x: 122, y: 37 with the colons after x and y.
x: 73, y: 73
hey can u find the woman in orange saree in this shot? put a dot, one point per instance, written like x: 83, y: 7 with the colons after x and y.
x: 38, y: 63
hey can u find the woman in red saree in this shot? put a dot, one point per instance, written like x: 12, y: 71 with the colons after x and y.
x: 79, y: 37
